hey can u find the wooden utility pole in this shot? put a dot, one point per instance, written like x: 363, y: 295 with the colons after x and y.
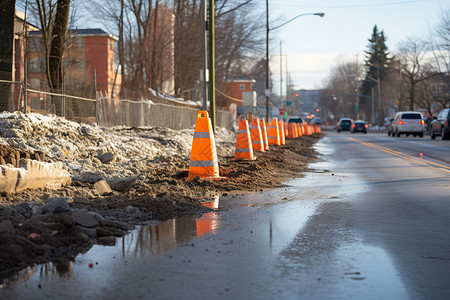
x: 7, y: 12
x: 204, y: 51
x: 267, y: 91
x: 357, y: 87
x: 212, y: 65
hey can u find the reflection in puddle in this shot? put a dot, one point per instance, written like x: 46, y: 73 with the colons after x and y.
x: 166, y: 236
x: 144, y: 241
x: 373, y: 268
x: 353, y: 271
x: 322, y: 147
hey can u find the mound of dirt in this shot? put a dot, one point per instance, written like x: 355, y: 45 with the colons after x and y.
x: 117, y: 183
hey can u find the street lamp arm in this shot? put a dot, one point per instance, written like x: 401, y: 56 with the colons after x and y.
x: 371, y: 78
x: 289, y: 21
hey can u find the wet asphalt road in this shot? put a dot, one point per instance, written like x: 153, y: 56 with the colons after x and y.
x: 373, y: 222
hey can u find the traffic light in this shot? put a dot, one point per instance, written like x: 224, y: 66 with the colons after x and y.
x: 317, y: 110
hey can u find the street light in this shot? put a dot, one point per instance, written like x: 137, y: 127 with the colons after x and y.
x: 335, y: 98
x: 377, y: 66
x: 314, y: 14
x: 373, y: 101
x: 267, y: 91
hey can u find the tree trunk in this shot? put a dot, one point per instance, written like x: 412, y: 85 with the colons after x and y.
x: 411, y: 95
x: 7, y: 11
x: 56, y: 52
x: 121, y: 49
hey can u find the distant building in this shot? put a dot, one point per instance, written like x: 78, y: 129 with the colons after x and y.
x: 236, y: 89
x: 20, y: 28
x: 87, y: 50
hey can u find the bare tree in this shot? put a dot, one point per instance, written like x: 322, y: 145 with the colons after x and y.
x: 440, y: 45
x: 412, y: 55
x: 340, y: 89
x: 145, y: 31
x: 147, y: 37
x: 7, y: 11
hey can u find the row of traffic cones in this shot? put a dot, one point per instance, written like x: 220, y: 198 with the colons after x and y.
x: 257, y: 137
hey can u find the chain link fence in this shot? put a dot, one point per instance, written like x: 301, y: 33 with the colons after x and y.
x: 144, y: 113
x: 104, y: 111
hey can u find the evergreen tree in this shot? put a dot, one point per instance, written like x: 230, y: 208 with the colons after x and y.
x: 376, y: 63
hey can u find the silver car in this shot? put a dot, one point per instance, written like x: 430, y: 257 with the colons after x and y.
x: 408, y: 122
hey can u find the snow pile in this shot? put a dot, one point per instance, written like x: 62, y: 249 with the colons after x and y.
x: 109, y: 153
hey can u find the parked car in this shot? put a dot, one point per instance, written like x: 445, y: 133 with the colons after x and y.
x: 408, y: 122
x: 316, y: 121
x: 296, y: 119
x: 389, y: 126
x: 427, y: 121
x: 359, y: 126
x: 344, y: 124
x: 440, y: 126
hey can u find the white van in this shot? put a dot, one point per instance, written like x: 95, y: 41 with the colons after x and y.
x: 408, y: 122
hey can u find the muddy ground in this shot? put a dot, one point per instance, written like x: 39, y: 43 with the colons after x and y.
x: 38, y: 226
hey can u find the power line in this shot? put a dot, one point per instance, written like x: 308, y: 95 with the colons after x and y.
x: 349, y: 6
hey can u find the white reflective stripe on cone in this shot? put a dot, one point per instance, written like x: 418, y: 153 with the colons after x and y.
x: 201, y: 163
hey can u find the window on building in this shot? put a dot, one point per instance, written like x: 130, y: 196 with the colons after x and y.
x: 35, y: 64
x: 242, y: 87
x: 80, y: 64
x: 35, y: 83
x: 34, y: 44
x: 78, y: 42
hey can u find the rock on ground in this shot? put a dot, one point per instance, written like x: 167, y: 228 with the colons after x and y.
x: 120, y: 178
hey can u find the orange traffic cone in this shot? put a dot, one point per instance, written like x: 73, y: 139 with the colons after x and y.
x: 319, y: 129
x: 308, y: 129
x: 244, y: 149
x: 262, y: 123
x: 282, y: 137
x: 290, y: 132
x: 256, y: 135
x: 274, y: 134
x: 203, y: 161
x: 298, y: 128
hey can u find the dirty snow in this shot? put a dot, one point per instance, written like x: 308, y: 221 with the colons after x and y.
x: 81, y: 147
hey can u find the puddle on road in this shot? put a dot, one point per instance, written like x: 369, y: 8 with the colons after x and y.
x: 369, y: 268
x: 150, y: 240
x: 354, y: 271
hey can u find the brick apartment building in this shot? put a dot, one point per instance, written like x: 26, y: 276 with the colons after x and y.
x: 18, y: 70
x: 87, y: 50
x: 236, y: 90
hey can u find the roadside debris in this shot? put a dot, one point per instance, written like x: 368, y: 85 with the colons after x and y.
x: 119, y: 178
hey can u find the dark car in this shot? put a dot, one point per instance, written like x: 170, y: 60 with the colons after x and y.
x: 389, y: 127
x: 440, y: 126
x: 298, y: 120
x: 359, y: 126
x: 344, y: 124
x: 316, y: 121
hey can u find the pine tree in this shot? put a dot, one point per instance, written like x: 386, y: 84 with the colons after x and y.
x: 377, y: 62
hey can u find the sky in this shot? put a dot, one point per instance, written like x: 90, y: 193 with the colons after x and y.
x: 312, y: 45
